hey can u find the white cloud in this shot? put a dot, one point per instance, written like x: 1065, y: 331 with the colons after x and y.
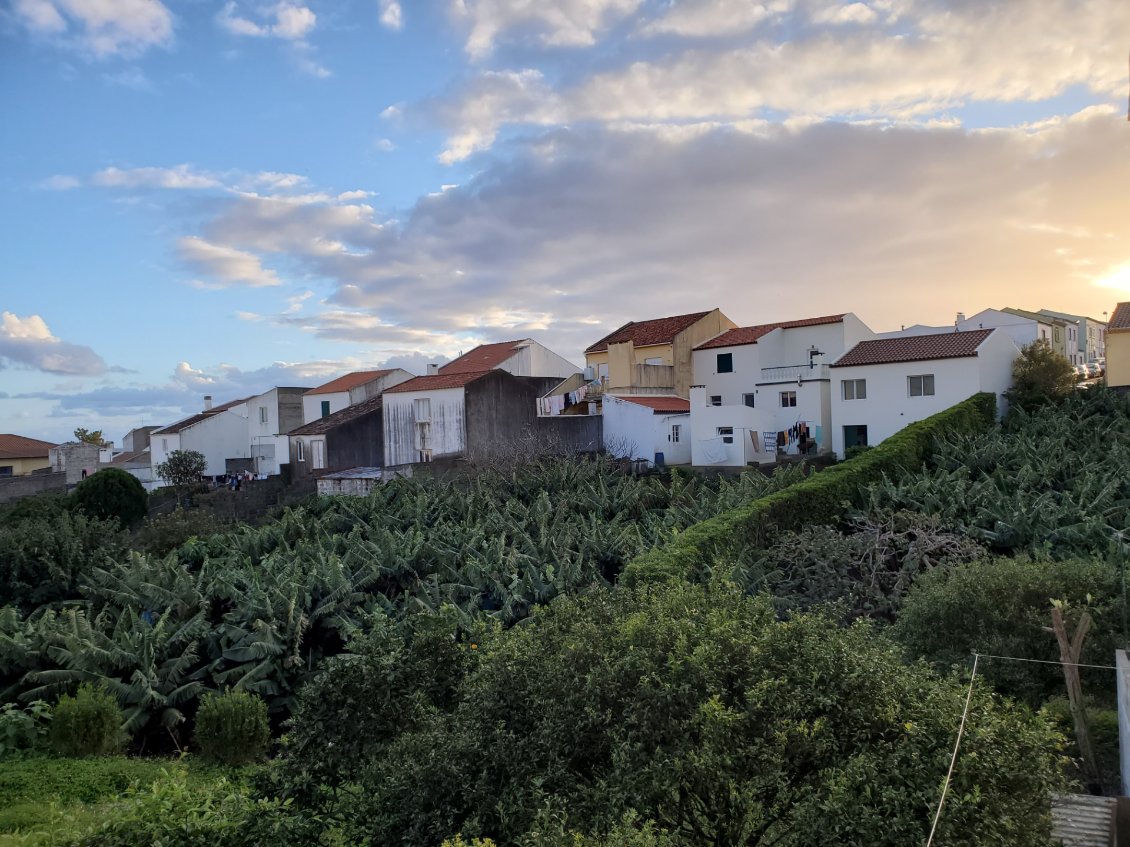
x: 177, y: 177
x: 133, y: 78
x: 563, y: 23
x: 28, y: 342
x: 392, y: 17
x: 226, y: 265
x: 60, y: 182
x: 702, y: 18
x: 385, y: 145
x: 851, y: 13
x: 288, y: 21
x: 99, y: 28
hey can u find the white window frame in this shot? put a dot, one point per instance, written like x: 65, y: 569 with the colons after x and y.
x: 714, y: 400
x: 750, y: 400
x: 422, y: 409
x: 727, y: 434
x: 853, y: 389
x: 788, y: 396
x: 922, y: 385
x: 300, y: 451
x: 675, y: 431
x: 263, y: 416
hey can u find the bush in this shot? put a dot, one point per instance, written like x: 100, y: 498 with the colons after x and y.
x: 1002, y: 607
x: 23, y: 729
x: 112, y: 493
x: 232, y: 728
x: 88, y: 724
x: 820, y: 499
x: 161, y: 535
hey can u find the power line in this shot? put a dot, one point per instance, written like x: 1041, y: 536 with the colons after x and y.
x: 1045, y: 661
x: 956, y: 745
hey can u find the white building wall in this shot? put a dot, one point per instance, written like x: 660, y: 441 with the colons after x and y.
x: 160, y: 446
x: 708, y: 446
x: 446, y: 432
x: 312, y: 405
x: 1021, y: 330
x: 220, y: 437
x: 995, y: 359
x: 632, y: 431
x: 729, y: 386
x: 537, y: 360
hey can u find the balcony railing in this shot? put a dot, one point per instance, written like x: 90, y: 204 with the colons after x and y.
x: 793, y: 373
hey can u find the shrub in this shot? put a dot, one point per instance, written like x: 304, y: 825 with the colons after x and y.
x: 232, y: 728
x: 162, y: 534
x: 87, y: 724
x: 820, y: 499
x: 1039, y: 375
x: 23, y: 729
x: 112, y: 493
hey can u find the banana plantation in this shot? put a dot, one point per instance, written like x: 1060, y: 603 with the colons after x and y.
x: 260, y: 608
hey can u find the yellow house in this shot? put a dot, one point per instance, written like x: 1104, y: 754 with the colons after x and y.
x: 1118, y: 347
x: 654, y: 356
x: 20, y: 455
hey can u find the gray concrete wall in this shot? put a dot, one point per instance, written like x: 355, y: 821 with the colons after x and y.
x: 290, y: 408
x: 567, y: 434
x: 359, y: 443
x: 17, y: 487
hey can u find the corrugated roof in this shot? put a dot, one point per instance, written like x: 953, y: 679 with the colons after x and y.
x: 749, y: 334
x: 349, y: 413
x: 349, y: 381
x: 1120, y: 320
x: 22, y: 447
x: 914, y: 348
x: 485, y: 357
x: 644, y: 333
x: 435, y: 382
x: 659, y: 405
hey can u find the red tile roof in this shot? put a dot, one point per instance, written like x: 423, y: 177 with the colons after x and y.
x: 343, y: 416
x: 436, y: 382
x: 349, y: 381
x: 644, y: 333
x: 914, y: 348
x: 1120, y: 320
x: 659, y: 405
x: 485, y: 357
x: 21, y: 447
x: 750, y: 334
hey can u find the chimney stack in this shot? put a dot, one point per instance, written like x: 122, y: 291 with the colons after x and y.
x: 207, y: 402
x: 960, y: 318
x: 433, y: 370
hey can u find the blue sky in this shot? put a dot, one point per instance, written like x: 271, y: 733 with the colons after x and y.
x: 217, y: 197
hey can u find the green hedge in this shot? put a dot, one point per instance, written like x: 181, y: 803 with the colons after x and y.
x: 820, y: 499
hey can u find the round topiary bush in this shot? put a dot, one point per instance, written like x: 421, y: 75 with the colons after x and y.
x: 232, y: 728
x: 88, y: 724
x: 112, y: 493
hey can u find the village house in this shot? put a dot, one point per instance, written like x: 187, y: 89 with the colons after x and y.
x: 1090, y: 335
x: 349, y: 390
x: 482, y: 403
x: 20, y: 455
x: 219, y: 433
x: 652, y: 428
x: 763, y: 391
x: 1118, y: 348
x: 880, y: 386
x: 351, y: 437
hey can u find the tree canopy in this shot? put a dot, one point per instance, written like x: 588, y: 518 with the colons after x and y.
x: 182, y: 468
x: 88, y: 436
x: 112, y: 493
x: 1039, y: 374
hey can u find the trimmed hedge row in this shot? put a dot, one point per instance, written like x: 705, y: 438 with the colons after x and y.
x: 819, y: 499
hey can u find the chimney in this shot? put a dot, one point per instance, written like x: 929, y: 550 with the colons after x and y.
x: 207, y: 402
x: 433, y: 370
x: 960, y: 318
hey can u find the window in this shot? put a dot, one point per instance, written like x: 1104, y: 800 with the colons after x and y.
x: 727, y: 433
x: 747, y: 400
x: 262, y: 414
x: 675, y: 429
x: 165, y: 444
x: 715, y: 400
x: 6, y: 470
x: 855, y: 436
x: 854, y: 389
x: 788, y: 399
x: 920, y: 386
x: 325, y: 408
x: 725, y: 363
x: 653, y: 361
x: 300, y: 451
x: 422, y: 409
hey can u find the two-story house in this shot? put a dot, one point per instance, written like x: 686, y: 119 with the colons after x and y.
x: 349, y: 390
x: 764, y: 390
x: 882, y: 385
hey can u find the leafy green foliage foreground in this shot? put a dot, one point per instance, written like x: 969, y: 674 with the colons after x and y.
x: 692, y: 706
x: 260, y: 608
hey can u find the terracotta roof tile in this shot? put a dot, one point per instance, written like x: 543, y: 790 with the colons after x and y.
x: 914, y: 348
x: 436, y: 382
x: 1120, y: 320
x: 21, y: 447
x: 349, y: 381
x: 659, y: 405
x: 749, y: 334
x: 643, y: 333
x: 342, y: 416
x: 485, y: 357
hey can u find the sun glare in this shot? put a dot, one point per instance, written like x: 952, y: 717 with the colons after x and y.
x: 1118, y: 277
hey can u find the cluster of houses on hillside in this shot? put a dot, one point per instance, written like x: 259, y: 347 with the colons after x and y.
x: 693, y: 389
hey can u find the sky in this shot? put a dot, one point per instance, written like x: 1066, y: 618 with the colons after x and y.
x: 221, y: 196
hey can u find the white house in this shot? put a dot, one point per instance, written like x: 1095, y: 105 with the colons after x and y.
x: 219, y: 434
x: 655, y: 428
x: 349, y: 390
x: 881, y: 386
x: 270, y: 416
x: 764, y: 389
x: 476, y: 404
